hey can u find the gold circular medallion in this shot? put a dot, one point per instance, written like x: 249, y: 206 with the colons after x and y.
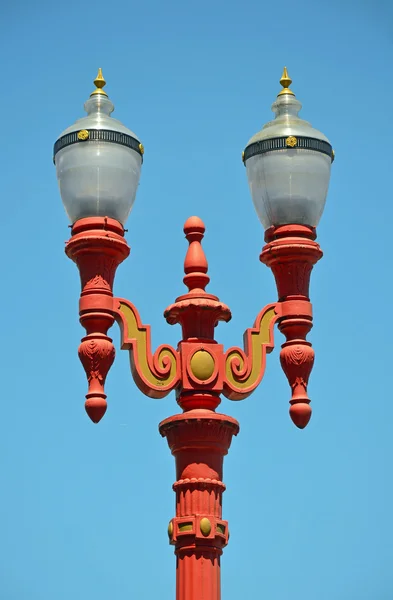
x: 291, y: 141
x: 170, y: 529
x: 202, y: 365
x: 333, y: 155
x: 243, y: 156
x: 141, y: 149
x: 83, y: 135
x: 205, y: 526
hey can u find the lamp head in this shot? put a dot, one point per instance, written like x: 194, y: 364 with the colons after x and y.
x: 288, y: 165
x: 98, y: 162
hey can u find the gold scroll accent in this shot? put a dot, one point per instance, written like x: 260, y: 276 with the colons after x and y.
x: 244, y: 369
x: 155, y: 374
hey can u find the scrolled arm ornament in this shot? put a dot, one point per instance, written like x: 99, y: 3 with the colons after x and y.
x: 244, y: 369
x: 155, y: 374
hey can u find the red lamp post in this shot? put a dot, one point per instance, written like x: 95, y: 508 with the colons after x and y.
x: 288, y: 165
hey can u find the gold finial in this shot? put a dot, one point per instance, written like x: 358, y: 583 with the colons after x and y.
x: 99, y: 82
x: 285, y: 82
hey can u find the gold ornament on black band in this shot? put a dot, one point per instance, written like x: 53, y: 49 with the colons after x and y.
x: 281, y: 143
x: 98, y: 135
x: 83, y: 135
x: 291, y: 141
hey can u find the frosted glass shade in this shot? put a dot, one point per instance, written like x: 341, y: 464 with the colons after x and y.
x: 98, y: 178
x: 289, y: 186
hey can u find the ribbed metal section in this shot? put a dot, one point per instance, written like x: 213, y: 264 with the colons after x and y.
x: 98, y: 135
x: 273, y: 144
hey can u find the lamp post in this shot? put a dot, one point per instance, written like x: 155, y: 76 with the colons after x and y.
x: 98, y: 163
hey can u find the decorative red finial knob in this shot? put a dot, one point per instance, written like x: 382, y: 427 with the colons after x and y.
x: 96, y: 408
x: 300, y: 414
x: 195, y: 263
x: 193, y: 225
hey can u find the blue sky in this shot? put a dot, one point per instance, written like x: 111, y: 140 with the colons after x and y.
x: 84, y: 509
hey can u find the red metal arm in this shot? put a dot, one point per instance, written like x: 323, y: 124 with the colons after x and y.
x: 291, y: 252
x: 97, y: 246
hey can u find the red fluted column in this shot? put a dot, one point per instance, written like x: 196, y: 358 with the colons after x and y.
x: 199, y: 439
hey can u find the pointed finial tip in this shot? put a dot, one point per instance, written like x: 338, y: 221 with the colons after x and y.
x: 99, y: 82
x: 285, y: 82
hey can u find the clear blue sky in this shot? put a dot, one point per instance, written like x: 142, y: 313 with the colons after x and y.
x: 84, y: 509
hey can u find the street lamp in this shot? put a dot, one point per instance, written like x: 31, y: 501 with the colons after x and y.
x: 287, y: 184
x: 98, y: 179
x: 98, y: 163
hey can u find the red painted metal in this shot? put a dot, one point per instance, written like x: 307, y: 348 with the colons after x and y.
x: 198, y: 370
x: 199, y: 440
x: 198, y: 314
x: 291, y: 252
x: 97, y: 246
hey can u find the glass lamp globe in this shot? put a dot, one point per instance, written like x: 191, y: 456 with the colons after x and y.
x: 288, y: 165
x: 98, y: 162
